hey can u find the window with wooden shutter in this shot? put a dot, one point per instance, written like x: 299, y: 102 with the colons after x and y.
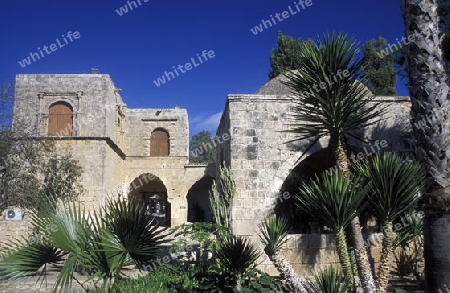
x: 60, y: 119
x: 159, y: 143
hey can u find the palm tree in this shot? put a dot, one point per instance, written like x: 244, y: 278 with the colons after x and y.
x: 237, y: 255
x: 122, y: 234
x: 340, y: 106
x: 334, y: 200
x: 394, y: 189
x: 429, y: 117
x: 329, y: 280
x: 272, y: 233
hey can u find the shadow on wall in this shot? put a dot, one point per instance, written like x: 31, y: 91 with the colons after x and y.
x: 198, y: 201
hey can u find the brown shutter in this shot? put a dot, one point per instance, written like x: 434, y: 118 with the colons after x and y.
x: 159, y: 143
x: 60, y: 120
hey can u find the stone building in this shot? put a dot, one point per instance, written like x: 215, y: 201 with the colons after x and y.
x: 261, y: 158
x: 140, y: 151
x: 145, y: 152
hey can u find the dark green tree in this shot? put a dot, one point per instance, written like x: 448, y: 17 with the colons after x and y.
x: 202, y: 148
x: 285, y: 56
x: 379, y: 71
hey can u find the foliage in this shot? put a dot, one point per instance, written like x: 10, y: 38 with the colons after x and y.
x: 202, y: 148
x: 332, y: 199
x: 237, y: 255
x: 36, y: 168
x: 273, y: 232
x: 395, y: 184
x: 221, y: 198
x: 329, y: 280
x: 123, y: 233
x: 284, y: 57
x: 182, y: 278
x: 379, y: 70
x: 339, y: 107
x: 410, y: 239
x: 202, y: 232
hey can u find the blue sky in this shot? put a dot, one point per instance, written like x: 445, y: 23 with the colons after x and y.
x: 139, y: 46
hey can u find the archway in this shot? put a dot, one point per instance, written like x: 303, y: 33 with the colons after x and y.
x: 311, y: 165
x: 316, y: 163
x: 198, y: 201
x: 152, y: 192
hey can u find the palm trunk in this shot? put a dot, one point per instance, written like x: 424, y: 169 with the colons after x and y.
x: 385, y: 259
x: 342, y: 249
x: 430, y: 122
x: 286, y: 271
x: 362, y: 259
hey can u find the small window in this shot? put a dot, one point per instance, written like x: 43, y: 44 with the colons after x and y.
x: 159, y: 143
x: 60, y: 119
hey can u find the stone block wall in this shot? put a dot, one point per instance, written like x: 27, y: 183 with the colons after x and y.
x: 309, y: 252
x: 93, y: 97
x: 261, y: 155
x: 142, y: 122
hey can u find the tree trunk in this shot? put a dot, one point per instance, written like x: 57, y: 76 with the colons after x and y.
x: 362, y: 258
x: 286, y: 271
x: 344, y: 258
x: 385, y: 259
x: 431, y: 124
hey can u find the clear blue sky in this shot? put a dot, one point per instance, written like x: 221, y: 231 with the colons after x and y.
x: 139, y: 46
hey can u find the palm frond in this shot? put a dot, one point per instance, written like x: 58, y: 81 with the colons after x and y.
x: 332, y: 199
x: 134, y: 231
x: 395, y: 184
x: 329, y: 99
x: 273, y: 232
x: 237, y: 254
x: 329, y: 280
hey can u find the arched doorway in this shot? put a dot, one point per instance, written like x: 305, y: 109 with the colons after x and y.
x: 316, y: 163
x: 60, y: 119
x: 311, y: 165
x: 198, y: 201
x: 152, y: 192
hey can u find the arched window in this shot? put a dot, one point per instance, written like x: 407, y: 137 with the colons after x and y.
x: 60, y: 119
x: 159, y: 143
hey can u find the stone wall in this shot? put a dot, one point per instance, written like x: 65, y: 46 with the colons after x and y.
x: 309, y: 252
x: 93, y: 97
x: 111, y: 142
x: 261, y: 155
x: 142, y: 122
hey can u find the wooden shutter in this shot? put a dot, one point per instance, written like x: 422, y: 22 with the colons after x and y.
x: 60, y: 120
x: 159, y: 143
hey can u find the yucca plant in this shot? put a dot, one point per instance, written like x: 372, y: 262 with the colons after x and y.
x: 329, y: 280
x: 334, y: 200
x: 273, y: 233
x: 237, y: 255
x: 339, y: 107
x: 395, y: 186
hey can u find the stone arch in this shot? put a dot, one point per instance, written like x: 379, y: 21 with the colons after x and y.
x: 317, y: 161
x: 159, y: 143
x: 60, y: 119
x: 152, y: 192
x: 198, y: 200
